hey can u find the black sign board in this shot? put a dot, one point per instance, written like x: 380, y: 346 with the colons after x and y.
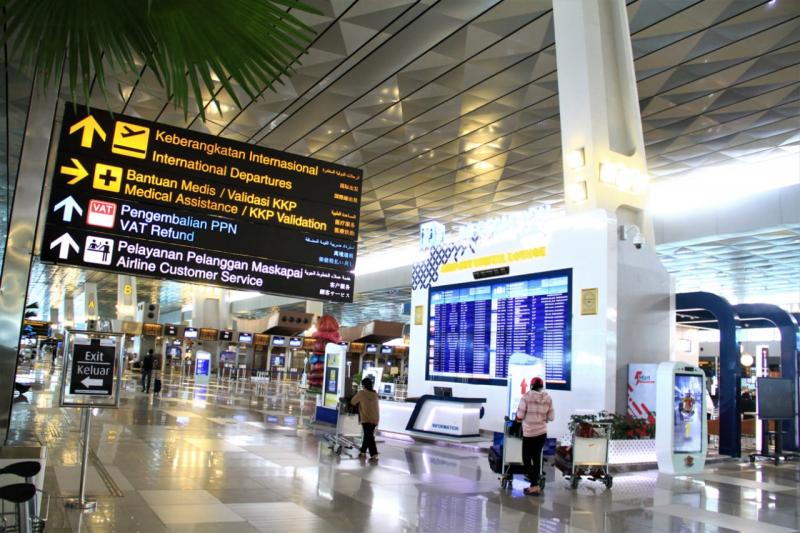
x: 225, y: 335
x: 147, y: 258
x: 170, y: 330
x: 92, y: 369
x: 124, y: 187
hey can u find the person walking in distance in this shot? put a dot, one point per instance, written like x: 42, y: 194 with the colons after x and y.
x: 535, y: 411
x: 147, y: 370
x: 367, y: 401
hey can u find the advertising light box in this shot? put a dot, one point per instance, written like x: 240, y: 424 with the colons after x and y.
x: 225, y: 335
x: 245, y: 338
x: 688, y: 414
x: 170, y: 330
x: 189, y: 333
x: 136, y: 197
x: 475, y: 328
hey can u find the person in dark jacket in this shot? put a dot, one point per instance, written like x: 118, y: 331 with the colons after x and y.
x: 368, y: 410
x: 147, y: 370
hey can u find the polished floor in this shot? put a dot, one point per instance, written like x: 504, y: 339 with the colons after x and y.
x: 244, y: 457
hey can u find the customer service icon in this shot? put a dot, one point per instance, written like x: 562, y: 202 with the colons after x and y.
x: 98, y: 250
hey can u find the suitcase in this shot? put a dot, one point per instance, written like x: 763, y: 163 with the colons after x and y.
x: 156, y: 386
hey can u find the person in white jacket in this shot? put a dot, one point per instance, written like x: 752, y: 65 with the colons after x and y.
x: 535, y: 411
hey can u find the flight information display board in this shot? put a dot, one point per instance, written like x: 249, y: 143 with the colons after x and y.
x: 475, y: 328
x: 137, y: 197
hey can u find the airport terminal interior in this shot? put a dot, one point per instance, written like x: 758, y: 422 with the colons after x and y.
x: 400, y: 266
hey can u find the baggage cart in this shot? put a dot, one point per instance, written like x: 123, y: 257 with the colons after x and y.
x: 512, y: 457
x: 348, y: 429
x: 588, y: 456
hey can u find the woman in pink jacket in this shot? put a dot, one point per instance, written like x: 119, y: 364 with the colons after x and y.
x: 535, y: 411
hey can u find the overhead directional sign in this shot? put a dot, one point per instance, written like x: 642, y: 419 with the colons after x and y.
x: 64, y: 244
x: 120, y: 180
x: 68, y: 205
x: 93, y: 368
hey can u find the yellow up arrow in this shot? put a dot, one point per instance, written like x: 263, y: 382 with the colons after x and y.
x: 89, y: 126
x: 78, y: 172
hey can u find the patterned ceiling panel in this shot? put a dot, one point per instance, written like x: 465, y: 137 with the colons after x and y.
x: 738, y: 266
x: 451, y: 107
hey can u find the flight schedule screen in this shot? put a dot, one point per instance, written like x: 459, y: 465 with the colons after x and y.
x: 476, y: 328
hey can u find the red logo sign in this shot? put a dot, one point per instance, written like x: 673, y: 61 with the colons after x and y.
x: 641, y: 377
x: 101, y: 214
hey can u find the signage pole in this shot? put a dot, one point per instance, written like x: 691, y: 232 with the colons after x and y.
x: 81, y: 503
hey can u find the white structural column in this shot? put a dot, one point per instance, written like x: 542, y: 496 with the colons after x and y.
x: 315, y: 307
x: 605, y: 168
x: 211, y: 307
x: 126, y: 297
x: 601, y: 129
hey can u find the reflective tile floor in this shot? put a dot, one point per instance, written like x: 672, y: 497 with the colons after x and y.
x: 241, y: 457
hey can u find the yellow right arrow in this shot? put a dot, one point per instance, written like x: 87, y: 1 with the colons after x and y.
x: 77, y: 171
x: 89, y: 126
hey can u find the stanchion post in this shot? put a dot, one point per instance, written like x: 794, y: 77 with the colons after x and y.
x: 81, y: 503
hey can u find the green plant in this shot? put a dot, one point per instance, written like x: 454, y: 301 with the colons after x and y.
x: 194, y: 47
x: 622, y: 426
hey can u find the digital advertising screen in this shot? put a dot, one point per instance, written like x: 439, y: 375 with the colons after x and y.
x: 226, y: 335
x: 295, y: 342
x: 278, y: 341
x: 387, y: 350
x: 170, y: 330
x: 475, y: 328
x: 371, y: 348
x: 245, y: 338
x: 189, y: 333
x: 688, y: 406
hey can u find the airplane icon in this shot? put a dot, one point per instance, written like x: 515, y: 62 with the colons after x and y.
x: 130, y: 139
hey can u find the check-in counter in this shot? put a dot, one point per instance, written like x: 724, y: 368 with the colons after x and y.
x: 433, y: 416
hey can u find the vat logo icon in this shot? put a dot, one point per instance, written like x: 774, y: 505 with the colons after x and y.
x: 98, y: 250
x: 101, y: 214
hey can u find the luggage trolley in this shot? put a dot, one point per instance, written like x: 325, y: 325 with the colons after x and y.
x: 348, y: 428
x: 588, y: 456
x: 512, y: 457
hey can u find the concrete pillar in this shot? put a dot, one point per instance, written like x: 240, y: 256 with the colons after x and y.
x: 601, y: 129
x: 67, y: 315
x: 210, y: 308
x: 313, y: 306
x: 126, y: 297
x: 605, y: 168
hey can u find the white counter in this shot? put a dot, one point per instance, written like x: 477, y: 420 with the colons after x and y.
x: 433, y: 416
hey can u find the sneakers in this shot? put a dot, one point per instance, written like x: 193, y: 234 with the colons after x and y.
x: 362, y: 455
x: 374, y: 458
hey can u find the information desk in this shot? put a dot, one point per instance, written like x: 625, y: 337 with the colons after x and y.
x: 433, y: 416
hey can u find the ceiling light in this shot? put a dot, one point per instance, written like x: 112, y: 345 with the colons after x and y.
x: 575, y: 159
x: 721, y: 184
x: 484, y: 165
x: 577, y: 192
x: 746, y: 360
x: 608, y: 173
